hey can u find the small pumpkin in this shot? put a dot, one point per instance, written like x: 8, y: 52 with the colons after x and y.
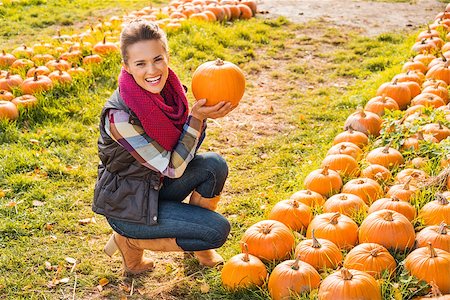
x: 403, y: 191
x: 347, y: 204
x: 269, y: 240
x: 439, y: 131
x: 349, y: 284
x: 371, y: 258
x: 5, y: 95
x: 437, y: 235
x: 431, y: 265
x: 400, y: 93
x: 10, y: 81
x: 243, y: 271
x: 36, y: 84
x: 437, y: 211
x: 388, y: 228
x: 8, y: 110
x: 292, y: 277
x: 344, y: 164
x: 320, y: 253
x: 376, y: 172
x: 346, y: 148
x: 25, y: 101
x: 350, y: 135
x: 292, y: 213
x: 104, y: 47
x: 6, y: 59
x: 323, y: 181
x: 218, y: 81
x: 367, y: 189
x: 395, y: 204
x: 308, y: 197
x: 335, y: 227
x: 379, y: 104
x: 386, y: 156
x: 367, y: 122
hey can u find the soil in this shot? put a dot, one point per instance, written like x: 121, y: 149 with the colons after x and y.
x: 371, y: 18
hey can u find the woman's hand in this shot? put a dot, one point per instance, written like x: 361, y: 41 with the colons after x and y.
x: 201, y: 112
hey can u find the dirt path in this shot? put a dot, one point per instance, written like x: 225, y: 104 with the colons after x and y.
x: 372, y: 18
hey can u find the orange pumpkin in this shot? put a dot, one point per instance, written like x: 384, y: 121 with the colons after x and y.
x: 395, y: 204
x: 323, y: 181
x: 243, y: 271
x: 431, y: 265
x: 367, y: 122
x: 388, y: 228
x: 400, y: 93
x: 350, y: 135
x: 269, y: 240
x: 346, y: 148
x: 25, y: 101
x: 308, y: 197
x: 435, y: 212
x: 335, y: 227
x: 403, y: 191
x: 379, y: 104
x: 292, y: 213
x: 371, y: 258
x: 347, y: 204
x: 8, y: 110
x: 6, y: 59
x: 60, y: 77
x: 5, y: 95
x: 440, y: 71
x: 437, y: 235
x: 36, y: 84
x: 376, y: 172
x: 9, y: 82
x: 218, y: 81
x: 386, y: 156
x: 439, y: 131
x: 413, y: 176
x: 349, y: 284
x: 292, y: 277
x: 320, y: 253
x: 104, y: 47
x: 367, y: 189
x: 344, y: 164
x: 428, y: 99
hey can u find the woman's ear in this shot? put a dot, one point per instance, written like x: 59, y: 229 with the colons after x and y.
x: 124, y: 65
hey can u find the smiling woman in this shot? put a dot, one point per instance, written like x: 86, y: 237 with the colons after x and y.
x: 149, y: 163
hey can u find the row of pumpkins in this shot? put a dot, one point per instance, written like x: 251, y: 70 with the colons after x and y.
x: 421, y: 87
x: 28, y: 71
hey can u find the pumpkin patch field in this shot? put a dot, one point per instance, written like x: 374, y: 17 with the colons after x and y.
x: 338, y: 153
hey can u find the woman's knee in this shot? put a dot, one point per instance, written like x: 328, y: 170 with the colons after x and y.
x: 220, y: 233
x: 217, y: 164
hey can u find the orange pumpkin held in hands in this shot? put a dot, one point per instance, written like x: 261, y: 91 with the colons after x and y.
x: 218, y: 81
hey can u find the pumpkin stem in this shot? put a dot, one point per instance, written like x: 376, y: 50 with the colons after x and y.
x: 394, y: 82
x: 219, y: 62
x: 325, y: 170
x: 3, y: 52
x: 35, y: 76
x: 315, y: 243
x: 406, y: 185
x: 442, y: 228
x: 295, y: 266
x: 266, y: 229
x: 433, y: 253
x: 308, y: 192
x: 295, y: 204
x: 374, y: 252
x: 440, y: 198
x: 246, y: 258
x: 386, y: 149
x: 334, y: 218
x: 388, y: 216
x: 346, y: 275
x: 394, y: 198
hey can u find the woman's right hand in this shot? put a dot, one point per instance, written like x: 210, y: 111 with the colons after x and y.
x: 200, y: 111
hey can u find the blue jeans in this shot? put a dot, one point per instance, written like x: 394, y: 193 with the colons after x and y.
x: 194, y: 228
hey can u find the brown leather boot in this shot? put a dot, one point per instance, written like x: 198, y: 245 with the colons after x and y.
x: 132, y: 251
x: 209, y: 258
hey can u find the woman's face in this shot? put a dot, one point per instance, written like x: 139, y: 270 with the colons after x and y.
x: 148, y: 64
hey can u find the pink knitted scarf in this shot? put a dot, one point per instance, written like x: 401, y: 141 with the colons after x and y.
x: 162, y: 115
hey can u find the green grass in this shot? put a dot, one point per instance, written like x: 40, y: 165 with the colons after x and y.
x: 302, y: 83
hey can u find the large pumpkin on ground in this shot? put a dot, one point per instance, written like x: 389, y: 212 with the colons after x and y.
x: 218, y: 81
x: 243, y: 271
x: 292, y: 277
x: 349, y: 285
x: 269, y: 240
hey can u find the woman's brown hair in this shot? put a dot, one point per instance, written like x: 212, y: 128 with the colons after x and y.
x: 140, y: 30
